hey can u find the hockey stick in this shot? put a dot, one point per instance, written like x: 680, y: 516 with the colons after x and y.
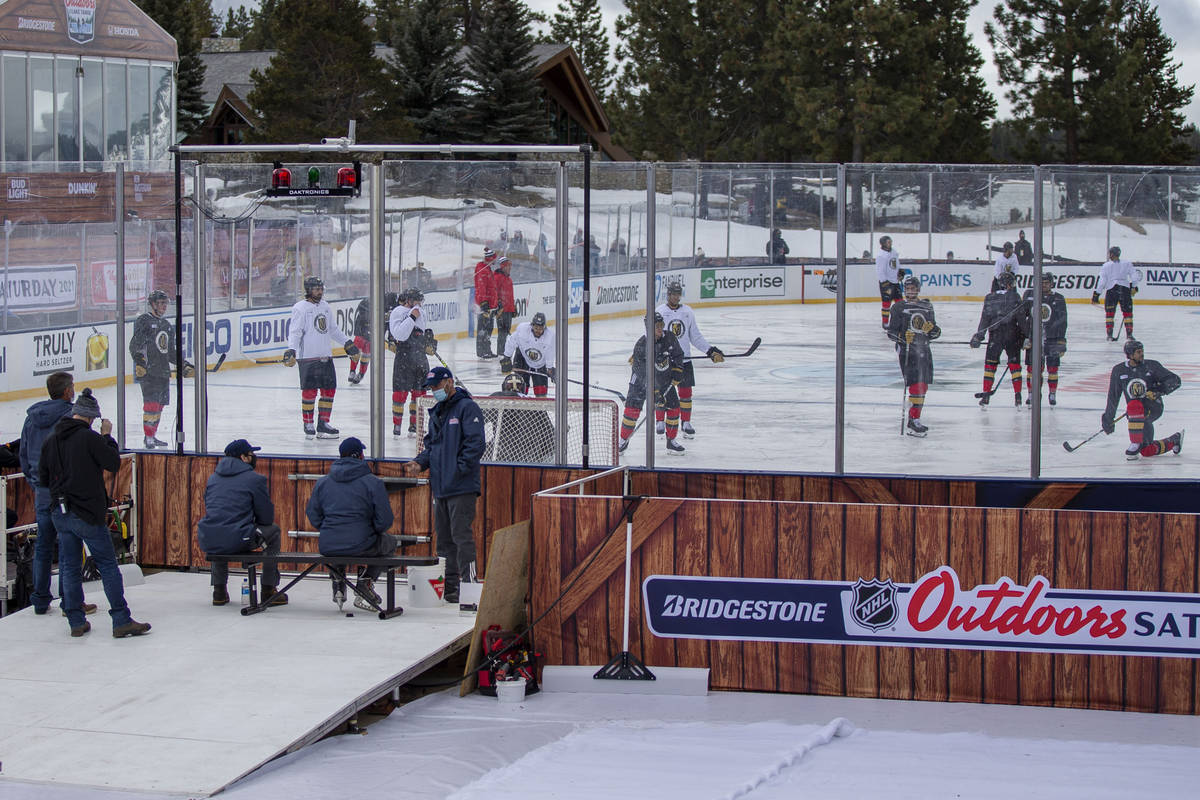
x: 457, y: 381
x: 278, y: 360
x: 995, y: 386
x: 750, y: 351
x: 601, y: 388
x: 1072, y: 448
x: 217, y: 365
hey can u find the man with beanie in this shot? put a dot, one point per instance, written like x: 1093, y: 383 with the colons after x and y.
x: 351, y: 512
x: 451, y: 451
x: 239, y: 517
x: 73, y: 461
x: 40, y: 420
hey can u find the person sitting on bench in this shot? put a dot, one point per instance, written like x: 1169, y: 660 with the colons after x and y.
x: 239, y: 517
x: 350, y: 509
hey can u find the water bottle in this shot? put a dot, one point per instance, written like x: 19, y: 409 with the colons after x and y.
x: 245, y: 591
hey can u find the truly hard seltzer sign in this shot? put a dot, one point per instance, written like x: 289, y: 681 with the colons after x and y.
x: 936, y: 611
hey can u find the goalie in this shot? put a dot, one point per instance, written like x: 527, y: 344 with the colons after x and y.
x: 517, y: 435
x: 530, y: 351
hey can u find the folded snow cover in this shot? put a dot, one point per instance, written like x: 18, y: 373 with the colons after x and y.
x: 701, y: 760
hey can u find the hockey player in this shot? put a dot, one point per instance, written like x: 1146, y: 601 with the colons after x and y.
x: 530, y: 351
x: 681, y: 321
x: 519, y: 435
x: 485, y: 297
x: 887, y: 271
x: 912, y: 327
x: 414, y: 342
x: 1006, y: 262
x: 668, y: 372
x: 506, y: 306
x: 1054, y: 334
x: 1142, y: 383
x: 153, y: 350
x: 1002, y: 321
x: 362, y: 333
x: 1118, y: 282
x: 314, y: 331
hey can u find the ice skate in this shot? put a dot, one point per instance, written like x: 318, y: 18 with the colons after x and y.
x: 397, y: 430
x: 339, y: 593
x: 983, y: 401
x: 623, y: 445
x: 310, y: 431
x: 916, y: 428
x: 412, y: 427
x: 355, y: 377
x: 660, y: 427
x: 688, y: 431
x: 675, y: 448
x: 1017, y: 399
x: 1176, y: 442
x: 1053, y: 399
x: 326, y: 431
x: 152, y: 442
x: 1133, y: 452
x: 368, y: 588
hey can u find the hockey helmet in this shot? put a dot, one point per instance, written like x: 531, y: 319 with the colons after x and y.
x: 912, y: 281
x: 1008, y: 246
x: 674, y: 287
x: 885, y: 242
x: 539, y: 319
x: 416, y: 295
x: 312, y: 282
x: 158, y: 295
x: 1131, y: 347
x: 1114, y: 253
x: 513, y: 382
x: 1047, y: 277
x: 390, y: 301
x: 1007, y: 279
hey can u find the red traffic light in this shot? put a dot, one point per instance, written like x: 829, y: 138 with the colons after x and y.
x: 281, y: 178
x: 346, y: 178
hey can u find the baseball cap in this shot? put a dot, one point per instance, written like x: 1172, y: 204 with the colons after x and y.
x: 350, y: 446
x: 239, y: 447
x: 436, y: 376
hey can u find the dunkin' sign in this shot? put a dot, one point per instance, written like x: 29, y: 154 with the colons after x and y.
x: 936, y: 611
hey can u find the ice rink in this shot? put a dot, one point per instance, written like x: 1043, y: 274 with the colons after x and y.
x: 774, y: 411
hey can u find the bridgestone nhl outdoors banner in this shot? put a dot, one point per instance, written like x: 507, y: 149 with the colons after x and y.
x: 936, y: 611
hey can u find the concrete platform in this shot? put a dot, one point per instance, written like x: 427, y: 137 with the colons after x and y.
x: 208, y: 696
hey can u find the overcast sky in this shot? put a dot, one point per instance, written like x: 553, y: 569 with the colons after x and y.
x: 1180, y: 20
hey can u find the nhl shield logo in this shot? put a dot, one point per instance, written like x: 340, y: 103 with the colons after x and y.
x: 874, y: 604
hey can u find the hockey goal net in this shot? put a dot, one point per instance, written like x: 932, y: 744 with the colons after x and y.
x: 523, y: 430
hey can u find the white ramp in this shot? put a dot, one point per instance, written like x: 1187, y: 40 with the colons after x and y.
x: 209, y: 695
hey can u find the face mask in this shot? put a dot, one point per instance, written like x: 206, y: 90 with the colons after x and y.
x: 440, y: 395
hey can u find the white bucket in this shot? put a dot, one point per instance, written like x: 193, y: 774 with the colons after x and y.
x: 511, y: 691
x: 425, y: 587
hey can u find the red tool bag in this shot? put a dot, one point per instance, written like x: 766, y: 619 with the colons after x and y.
x: 505, y: 655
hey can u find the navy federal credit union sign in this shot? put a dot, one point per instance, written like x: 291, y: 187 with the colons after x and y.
x: 936, y: 611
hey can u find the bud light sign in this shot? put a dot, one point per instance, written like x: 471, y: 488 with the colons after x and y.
x: 936, y: 611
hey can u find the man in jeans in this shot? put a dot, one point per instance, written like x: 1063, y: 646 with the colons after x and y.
x: 239, y: 517
x: 73, y: 461
x: 453, y: 446
x: 40, y: 420
x: 351, y: 512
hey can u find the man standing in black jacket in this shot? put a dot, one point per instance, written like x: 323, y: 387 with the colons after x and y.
x: 239, y: 517
x: 72, y: 466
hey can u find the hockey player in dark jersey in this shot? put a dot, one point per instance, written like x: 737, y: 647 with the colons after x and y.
x: 1054, y: 334
x: 911, y: 325
x: 1003, y: 322
x: 518, y: 435
x: 414, y: 342
x: 1142, y: 383
x: 668, y: 372
x: 362, y: 335
x: 153, y: 350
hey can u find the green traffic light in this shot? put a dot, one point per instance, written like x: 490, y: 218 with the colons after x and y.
x: 314, y: 176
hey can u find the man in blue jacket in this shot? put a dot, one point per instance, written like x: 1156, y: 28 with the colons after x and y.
x: 350, y: 509
x: 40, y: 420
x: 451, y: 451
x: 239, y: 517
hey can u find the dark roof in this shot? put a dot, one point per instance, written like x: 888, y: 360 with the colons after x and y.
x: 232, y: 69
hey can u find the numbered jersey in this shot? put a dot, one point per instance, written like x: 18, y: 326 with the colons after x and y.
x: 153, y: 344
x: 314, y: 330
x: 538, y: 351
x: 1117, y: 273
x: 682, y: 323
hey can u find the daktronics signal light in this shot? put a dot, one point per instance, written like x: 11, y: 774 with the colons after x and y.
x: 349, y: 181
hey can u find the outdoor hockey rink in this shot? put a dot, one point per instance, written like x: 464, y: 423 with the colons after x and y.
x: 774, y: 411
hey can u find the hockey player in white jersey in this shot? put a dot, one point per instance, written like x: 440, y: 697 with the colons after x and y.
x: 680, y: 320
x: 1118, y: 284
x: 889, y: 275
x: 1005, y: 262
x: 413, y: 341
x: 530, y: 351
x: 312, y: 336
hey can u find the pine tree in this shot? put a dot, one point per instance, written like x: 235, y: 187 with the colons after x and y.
x: 264, y: 26
x: 324, y: 73
x: 579, y: 24
x: 237, y: 24
x: 187, y: 21
x: 425, y: 98
x: 505, y: 106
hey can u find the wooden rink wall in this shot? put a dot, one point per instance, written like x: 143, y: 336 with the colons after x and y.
x: 796, y: 527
